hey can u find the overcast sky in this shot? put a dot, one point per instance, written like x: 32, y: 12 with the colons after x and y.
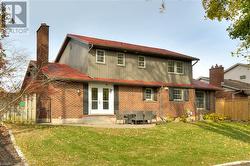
x: 182, y: 28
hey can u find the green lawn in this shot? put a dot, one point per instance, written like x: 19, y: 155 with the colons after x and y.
x: 202, y: 143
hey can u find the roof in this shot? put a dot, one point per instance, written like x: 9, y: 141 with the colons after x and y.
x: 203, y: 78
x: 235, y: 65
x: 121, y: 46
x: 204, y: 86
x: 64, y: 72
x: 236, y: 85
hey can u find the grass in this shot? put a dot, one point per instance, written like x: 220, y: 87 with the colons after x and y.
x: 202, y: 143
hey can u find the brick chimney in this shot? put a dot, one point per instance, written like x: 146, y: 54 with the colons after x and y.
x: 42, y: 46
x: 216, y: 75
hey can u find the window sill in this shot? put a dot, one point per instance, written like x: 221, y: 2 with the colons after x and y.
x: 150, y: 101
x: 101, y: 63
x: 121, y: 65
x: 176, y: 73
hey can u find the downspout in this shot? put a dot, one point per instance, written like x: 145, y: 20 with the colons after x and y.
x: 196, y: 62
x: 90, y: 47
x: 196, y: 111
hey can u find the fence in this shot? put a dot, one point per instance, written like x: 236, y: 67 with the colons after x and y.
x: 22, y: 113
x: 236, y: 109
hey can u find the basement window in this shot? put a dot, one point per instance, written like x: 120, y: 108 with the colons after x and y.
x: 100, y: 56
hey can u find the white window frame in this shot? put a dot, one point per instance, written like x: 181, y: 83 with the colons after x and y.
x: 151, y: 94
x: 124, y: 59
x: 204, y: 101
x: 142, y: 67
x: 175, y: 67
x: 104, y: 56
x: 182, y: 95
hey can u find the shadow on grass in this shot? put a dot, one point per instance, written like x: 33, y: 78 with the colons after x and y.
x: 231, y: 130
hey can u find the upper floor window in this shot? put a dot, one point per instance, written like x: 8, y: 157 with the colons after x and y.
x: 171, y: 66
x: 121, y: 59
x: 243, y: 77
x: 175, y: 67
x: 100, y: 56
x: 141, y: 62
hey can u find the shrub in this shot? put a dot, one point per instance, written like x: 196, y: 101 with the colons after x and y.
x: 215, y: 117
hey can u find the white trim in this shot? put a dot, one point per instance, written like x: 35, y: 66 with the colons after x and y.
x: 104, y: 56
x: 144, y: 62
x: 100, y: 110
x: 152, y: 94
x: 182, y: 94
x: 124, y: 59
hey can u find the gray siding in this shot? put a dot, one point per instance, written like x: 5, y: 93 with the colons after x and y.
x: 76, y: 56
x: 156, y: 69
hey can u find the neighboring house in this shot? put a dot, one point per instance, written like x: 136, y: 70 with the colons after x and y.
x: 101, y: 77
x: 239, y: 72
x: 230, y: 81
x: 203, y: 79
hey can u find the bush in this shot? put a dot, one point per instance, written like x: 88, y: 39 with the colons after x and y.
x: 215, y: 117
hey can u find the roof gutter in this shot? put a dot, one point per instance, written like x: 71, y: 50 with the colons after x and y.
x: 196, y: 61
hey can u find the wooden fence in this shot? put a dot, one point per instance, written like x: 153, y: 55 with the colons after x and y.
x: 25, y: 113
x: 236, y: 109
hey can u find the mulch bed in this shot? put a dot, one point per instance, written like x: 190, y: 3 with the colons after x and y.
x: 8, y: 154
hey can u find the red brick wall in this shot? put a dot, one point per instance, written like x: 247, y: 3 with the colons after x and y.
x: 65, y: 100
x: 177, y: 108
x: 131, y: 99
x: 216, y: 75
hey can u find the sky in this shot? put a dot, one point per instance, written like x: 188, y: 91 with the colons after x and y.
x: 181, y: 28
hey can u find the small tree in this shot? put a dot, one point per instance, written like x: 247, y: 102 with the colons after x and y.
x: 238, y: 13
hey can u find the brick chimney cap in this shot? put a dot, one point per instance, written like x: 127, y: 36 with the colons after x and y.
x: 42, y: 25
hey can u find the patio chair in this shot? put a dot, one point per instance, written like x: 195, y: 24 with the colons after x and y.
x: 138, y: 117
x: 148, y: 116
x: 120, y: 116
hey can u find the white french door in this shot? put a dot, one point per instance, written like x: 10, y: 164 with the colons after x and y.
x: 101, y: 99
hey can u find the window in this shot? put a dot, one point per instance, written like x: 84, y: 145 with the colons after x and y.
x: 121, y: 59
x: 100, y: 56
x: 149, y: 94
x: 179, y: 67
x: 171, y: 66
x: 141, y: 62
x: 175, y: 67
x: 178, y: 94
x: 243, y: 77
x: 200, y: 99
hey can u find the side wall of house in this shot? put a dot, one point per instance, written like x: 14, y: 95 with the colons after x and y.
x: 66, y: 102
x: 76, y: 55
x: 238, y: 71
x: 156, y: 68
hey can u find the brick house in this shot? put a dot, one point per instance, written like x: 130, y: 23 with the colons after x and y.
x: 96, y: 77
